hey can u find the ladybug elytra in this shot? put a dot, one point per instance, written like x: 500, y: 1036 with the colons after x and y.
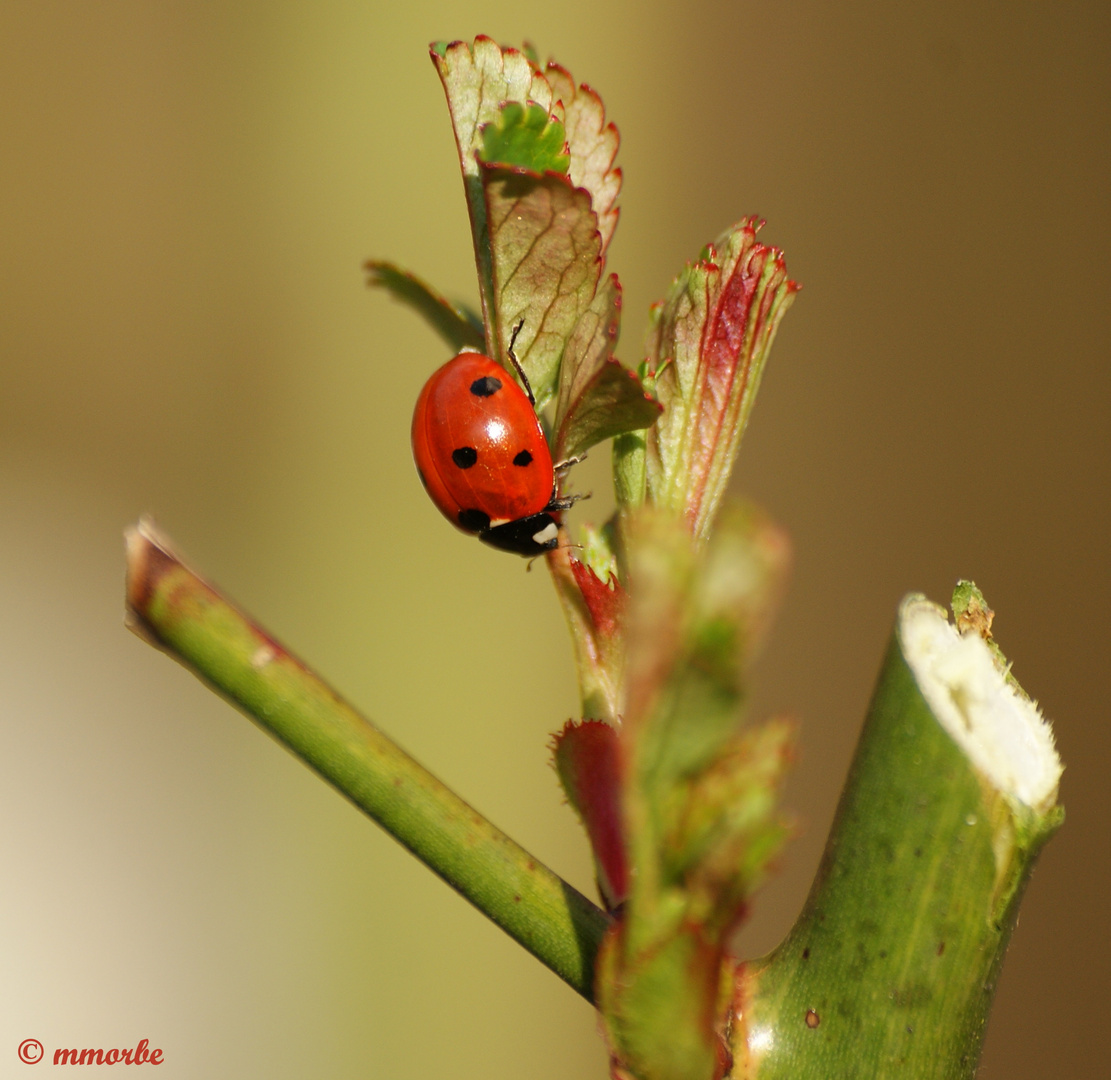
x: 482, y: 456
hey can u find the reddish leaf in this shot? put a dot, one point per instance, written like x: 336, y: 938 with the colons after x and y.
x: 717, y: 326
x: 586, y: 759
x: 605, y: 602
x: 592, y: 144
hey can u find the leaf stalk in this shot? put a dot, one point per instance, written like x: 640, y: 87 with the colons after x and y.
x: 178, y: 612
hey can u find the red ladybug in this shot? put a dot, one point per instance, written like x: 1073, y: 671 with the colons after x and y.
x: 482, y: 456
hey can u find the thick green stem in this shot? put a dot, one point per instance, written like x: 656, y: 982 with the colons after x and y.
x: 892, y: 966
x: 183, y: 615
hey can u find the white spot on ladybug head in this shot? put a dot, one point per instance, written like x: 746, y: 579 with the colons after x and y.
x: 547, y: 534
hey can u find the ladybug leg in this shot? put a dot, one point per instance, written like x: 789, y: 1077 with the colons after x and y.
x: 562, y: 466
x: 516, y: 363
x: 564, y: 502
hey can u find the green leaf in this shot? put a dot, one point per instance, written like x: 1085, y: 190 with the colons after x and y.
x: 696, y: 619
x: 660, y: 1007
x: 457, y: 327
x: 546, y: 265
x: 525, y: 136
x: 716, y: 326
x: 592, y: 143
x: 478, y: 80
x: 700, y: 793
x: 629, y: 480
x: 730, y: 831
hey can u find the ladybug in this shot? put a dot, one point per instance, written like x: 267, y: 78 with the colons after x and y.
x: 482, y: 456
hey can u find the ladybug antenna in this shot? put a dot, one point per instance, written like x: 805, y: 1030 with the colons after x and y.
x: 516, y: 363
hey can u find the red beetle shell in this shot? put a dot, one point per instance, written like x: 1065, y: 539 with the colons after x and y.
x: 479, y: 446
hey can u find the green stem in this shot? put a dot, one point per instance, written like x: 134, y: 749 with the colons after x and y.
x: 892, y: 965
x: 183, y: 615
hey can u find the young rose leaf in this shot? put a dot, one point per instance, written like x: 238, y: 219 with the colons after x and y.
x: 598, y: 398
x: 699, y: 793
x: 604, y: 598
x: 661, y: 972
x: 592, y: 144
x: 661, y: 1004
x: 456, y: 326
x: 585, y: 758
x: 525, y: 136
x: 697, y: 616
x: 630, y: 448
x: 612, y: 403
x: 590, y: 345
x: 722, y: 844
x: 716, y: 326
x: 546, y: 265
x: 594, y: 602
x: 478, y: 80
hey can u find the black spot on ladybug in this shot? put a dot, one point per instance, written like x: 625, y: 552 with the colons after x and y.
x: 474, y: 520
x: 464, y: 456
x: 523, y: 458
x: 487, y: 385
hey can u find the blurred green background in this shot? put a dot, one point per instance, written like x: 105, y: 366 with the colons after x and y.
x: 188, y: 191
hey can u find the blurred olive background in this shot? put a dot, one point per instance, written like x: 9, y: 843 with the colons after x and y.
x: 188, y: 192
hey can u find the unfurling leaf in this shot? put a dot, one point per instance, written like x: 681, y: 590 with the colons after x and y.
x: 537, y: 156
x: 730, y: 831
x: 526, y: 137
x: 716, y: 327
x: 456, y: 326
